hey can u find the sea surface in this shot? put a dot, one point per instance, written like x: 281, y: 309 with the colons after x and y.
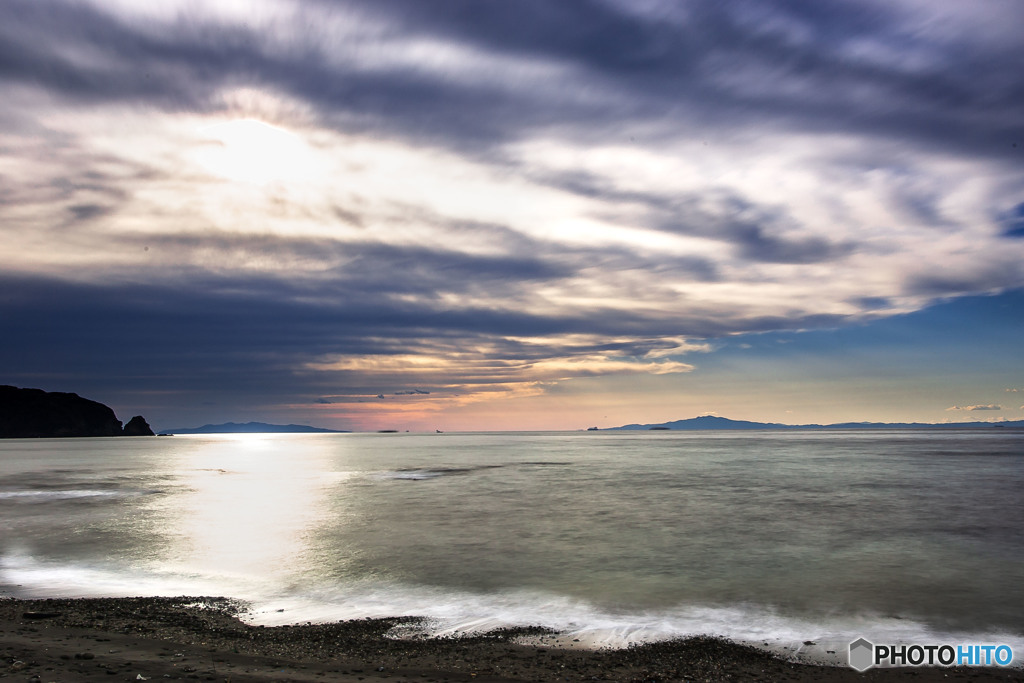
x: 610, y: 538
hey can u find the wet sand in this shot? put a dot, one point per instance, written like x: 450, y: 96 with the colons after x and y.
x: 158, y: 639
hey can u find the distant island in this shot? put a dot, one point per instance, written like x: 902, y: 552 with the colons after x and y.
x: 250, y: 428
x: 37, y: 414
x: 706, y: 422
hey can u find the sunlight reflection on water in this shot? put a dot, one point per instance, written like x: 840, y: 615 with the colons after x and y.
x: 249, y: 505
x: 635, y: 534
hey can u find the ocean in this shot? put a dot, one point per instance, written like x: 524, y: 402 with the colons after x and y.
x: 798, y: 541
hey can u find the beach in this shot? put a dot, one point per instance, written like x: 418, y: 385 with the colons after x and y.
x: 134, y: 639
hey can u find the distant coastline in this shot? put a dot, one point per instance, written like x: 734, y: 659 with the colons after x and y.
x: 251, y: 428
x: 711, y: 422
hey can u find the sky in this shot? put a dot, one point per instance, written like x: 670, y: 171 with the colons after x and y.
x: 541, y: 214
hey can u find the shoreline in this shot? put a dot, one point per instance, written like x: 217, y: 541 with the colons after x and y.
x: 202, y: 638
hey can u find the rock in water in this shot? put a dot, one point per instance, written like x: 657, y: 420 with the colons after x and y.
x: 137, y: 426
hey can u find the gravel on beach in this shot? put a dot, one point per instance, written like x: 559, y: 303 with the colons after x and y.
x: 202, y: 638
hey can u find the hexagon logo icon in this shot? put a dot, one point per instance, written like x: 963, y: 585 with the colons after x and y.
x: 862, y: 654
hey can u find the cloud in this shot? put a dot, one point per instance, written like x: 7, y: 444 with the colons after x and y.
x: 1014, y: 222
x: 310, y: 345
x: 488, y: 74
x: 336, y: 201
x: 978, y: 407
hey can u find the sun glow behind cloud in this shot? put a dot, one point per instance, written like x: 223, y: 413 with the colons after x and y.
x: 252, y: 151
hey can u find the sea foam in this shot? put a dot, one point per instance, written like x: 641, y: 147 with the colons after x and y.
x: 446, y: 613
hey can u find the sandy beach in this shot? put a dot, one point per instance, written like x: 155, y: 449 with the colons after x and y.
x: 134, y: 639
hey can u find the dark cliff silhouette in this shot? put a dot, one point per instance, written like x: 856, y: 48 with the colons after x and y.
x: 34, y: 413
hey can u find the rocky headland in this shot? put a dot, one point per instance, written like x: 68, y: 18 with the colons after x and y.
x: 34, y: 413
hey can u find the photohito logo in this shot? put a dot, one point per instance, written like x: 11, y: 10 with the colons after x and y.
x: 865, y: 654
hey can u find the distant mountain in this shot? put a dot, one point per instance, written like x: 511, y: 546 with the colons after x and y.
x: 706, y: 422
x: 251, y: 428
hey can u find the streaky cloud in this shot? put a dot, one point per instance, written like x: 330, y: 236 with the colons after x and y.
x: 990, y: 406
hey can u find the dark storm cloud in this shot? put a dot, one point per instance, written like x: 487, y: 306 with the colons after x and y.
x: 44, y: 43
x: 1014, y: 223
x: 369, y: 269
x: 330, y: 269
x: 255, y: 333
x: 720, y: 68
x: 128, y: 328
x: 754, y: 231
x: 802, y: 66
x: 986, y: 277
x: 85, y: 212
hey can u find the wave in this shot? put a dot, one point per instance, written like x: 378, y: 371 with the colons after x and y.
x: 67, y: 494
x: 577, y: 623
x: 419, y: 473
x: 24, y: 576
x: 571, y: 622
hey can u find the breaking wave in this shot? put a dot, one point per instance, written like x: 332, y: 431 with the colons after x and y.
x: 571, y: 622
